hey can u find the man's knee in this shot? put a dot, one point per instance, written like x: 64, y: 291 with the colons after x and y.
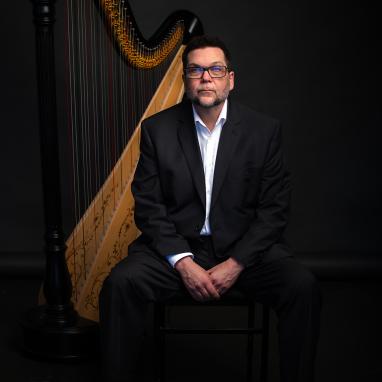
x: 125, y: 276
x: 300, y: 282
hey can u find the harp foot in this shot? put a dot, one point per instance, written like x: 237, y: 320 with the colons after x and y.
x: 74, y: 341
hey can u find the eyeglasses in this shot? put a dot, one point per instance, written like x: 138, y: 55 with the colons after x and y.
x: 215, y: 71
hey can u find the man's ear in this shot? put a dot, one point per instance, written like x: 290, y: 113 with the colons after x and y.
x: 231, y: 80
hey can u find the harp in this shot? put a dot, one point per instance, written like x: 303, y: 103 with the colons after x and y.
x: 137, y: 78
x: 115, y: 79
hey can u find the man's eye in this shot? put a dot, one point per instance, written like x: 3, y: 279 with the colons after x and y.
x: 195, y: 70
x: 216, y: 69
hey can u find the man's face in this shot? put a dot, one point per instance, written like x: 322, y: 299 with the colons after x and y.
x: 207, y: 91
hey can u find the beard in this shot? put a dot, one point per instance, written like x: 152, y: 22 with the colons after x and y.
x: 207, y: 105
x: 210, y: 103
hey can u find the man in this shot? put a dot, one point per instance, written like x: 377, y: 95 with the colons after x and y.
x: 212, y: 198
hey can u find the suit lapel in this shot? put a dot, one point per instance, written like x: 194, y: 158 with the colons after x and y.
x: 190, y: 145
x: 189, y: 142
x: 227, y: 144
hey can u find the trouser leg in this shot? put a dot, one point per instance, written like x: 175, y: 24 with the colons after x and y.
x: 293, y: 292
x: 131, y: 286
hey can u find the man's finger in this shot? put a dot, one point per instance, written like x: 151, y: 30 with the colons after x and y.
x: 203, y: 291
x: 196, y: 295
x: 212, y: 291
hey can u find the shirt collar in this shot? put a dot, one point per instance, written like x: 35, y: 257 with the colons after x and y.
x: 221, y: 119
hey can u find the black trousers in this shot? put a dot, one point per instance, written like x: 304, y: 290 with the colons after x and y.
x: 284, y: 284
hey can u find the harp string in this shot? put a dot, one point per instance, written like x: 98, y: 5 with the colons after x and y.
x: 122, y: 88
x: 94, y: 78
x: 80, y: 132
x: 71, y: 139
x: 89, y: 94
x: 104, y: 102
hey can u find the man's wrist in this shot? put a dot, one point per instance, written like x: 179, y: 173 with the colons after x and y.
x: 173, y: 259
x: 183, y: 262
x: 239, y: 266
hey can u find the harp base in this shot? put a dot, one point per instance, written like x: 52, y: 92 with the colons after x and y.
x: 79, y: 340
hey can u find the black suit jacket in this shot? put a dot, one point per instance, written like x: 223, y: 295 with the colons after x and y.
x: 251, y: 188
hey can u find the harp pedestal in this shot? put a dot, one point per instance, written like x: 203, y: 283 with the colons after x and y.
x: 43, y: 339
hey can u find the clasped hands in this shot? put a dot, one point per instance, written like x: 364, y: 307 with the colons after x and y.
x: 205, y: 285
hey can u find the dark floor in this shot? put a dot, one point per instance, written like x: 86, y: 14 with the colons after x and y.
x: 349, y: 348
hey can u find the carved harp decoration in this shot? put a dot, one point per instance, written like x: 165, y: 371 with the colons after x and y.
x: 115, y: 79
x: 130, y: 43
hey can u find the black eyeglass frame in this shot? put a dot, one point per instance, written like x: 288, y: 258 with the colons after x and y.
x: 206, y: 69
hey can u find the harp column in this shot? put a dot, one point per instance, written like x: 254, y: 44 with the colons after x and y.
x: 53, y: 330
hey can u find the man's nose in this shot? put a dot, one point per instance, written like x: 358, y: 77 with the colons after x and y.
x: 206, y: 76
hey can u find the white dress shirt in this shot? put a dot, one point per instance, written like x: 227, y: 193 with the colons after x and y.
x: 208, y: 144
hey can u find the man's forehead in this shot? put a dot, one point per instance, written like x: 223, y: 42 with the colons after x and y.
x: 213, y: 55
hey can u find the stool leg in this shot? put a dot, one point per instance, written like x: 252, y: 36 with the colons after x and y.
x: 159, y: 324
x: 264, y: 346
x: 156, y: 331
x: 251, y: 323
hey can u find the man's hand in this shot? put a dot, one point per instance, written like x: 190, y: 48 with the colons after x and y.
x: 225, y: 274
x: 197, y: 280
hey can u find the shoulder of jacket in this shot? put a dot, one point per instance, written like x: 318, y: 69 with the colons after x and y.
x: 168, y: 115
x: 254, y: 121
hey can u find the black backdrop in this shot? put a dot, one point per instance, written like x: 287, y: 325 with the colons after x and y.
x: 313, y: 65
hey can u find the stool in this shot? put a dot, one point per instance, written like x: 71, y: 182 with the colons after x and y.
x: 231, y: 298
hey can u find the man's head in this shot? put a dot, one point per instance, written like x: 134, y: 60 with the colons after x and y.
x: 208, y: 77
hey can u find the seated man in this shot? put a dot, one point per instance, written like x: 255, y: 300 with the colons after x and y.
x: 211, y: 199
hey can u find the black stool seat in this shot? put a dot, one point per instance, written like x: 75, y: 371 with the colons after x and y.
x: 232, y: 298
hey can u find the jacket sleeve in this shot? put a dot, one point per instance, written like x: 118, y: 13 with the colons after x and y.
x: 150, y: 211
x: 272, y: 211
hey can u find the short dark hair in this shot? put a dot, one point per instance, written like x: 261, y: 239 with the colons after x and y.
x: 204, y: 41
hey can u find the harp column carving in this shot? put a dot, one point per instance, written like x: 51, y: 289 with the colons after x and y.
x: 57, y: 284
